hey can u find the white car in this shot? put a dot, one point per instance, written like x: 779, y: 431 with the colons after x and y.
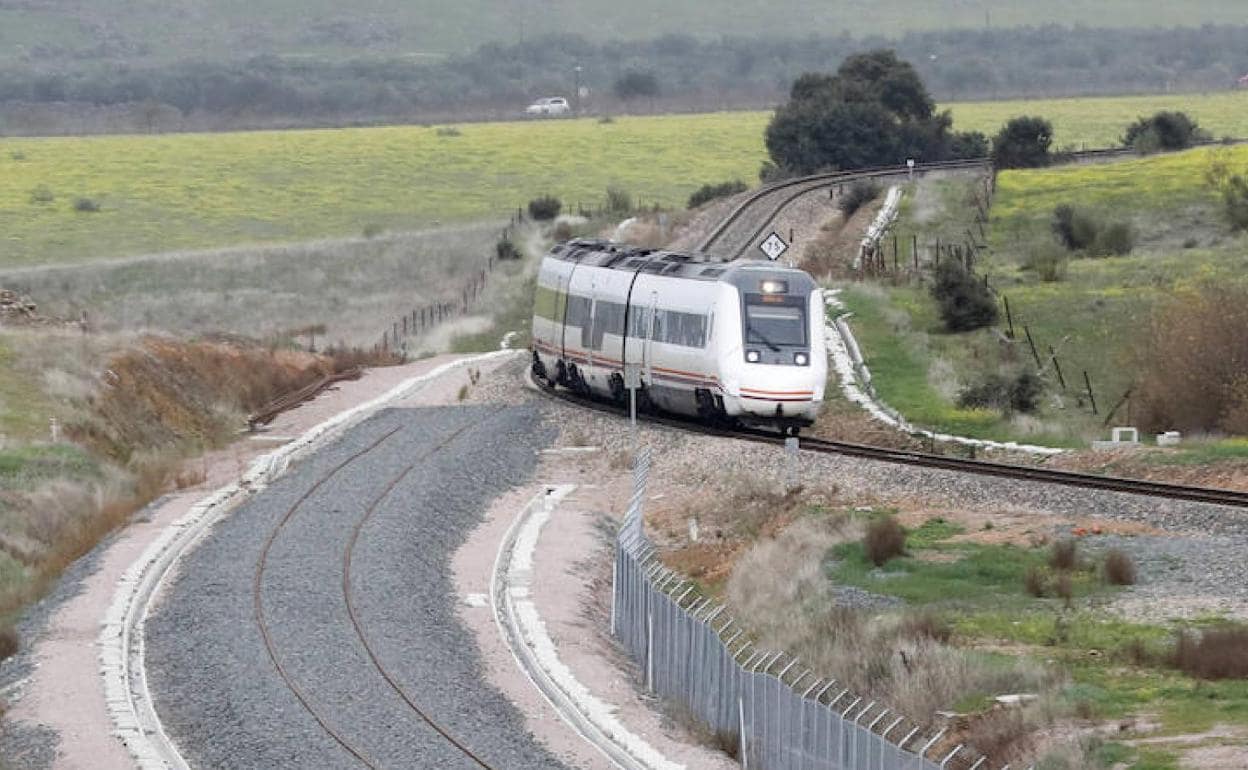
x: 551, y: 105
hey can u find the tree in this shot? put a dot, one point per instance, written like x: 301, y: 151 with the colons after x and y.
x: 874, y: 111
x: 1023, y: 143
x: 969, y: 144
x: 1165, y: 130
x: 634, y: 84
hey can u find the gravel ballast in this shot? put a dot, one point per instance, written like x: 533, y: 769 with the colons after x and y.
x: 218, y: 692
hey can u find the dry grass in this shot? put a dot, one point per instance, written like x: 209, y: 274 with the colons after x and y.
x: 884, y: 540
x: 1035, y: 582
x: 1064, y: 555
x: 355, y: 287
x: 1064, y: 588
x: 1119, y: 570
x: 1220, y: 653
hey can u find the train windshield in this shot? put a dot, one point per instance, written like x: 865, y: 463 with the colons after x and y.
x: 775, y: 325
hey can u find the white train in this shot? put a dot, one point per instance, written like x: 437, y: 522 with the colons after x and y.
x: 738, y: 341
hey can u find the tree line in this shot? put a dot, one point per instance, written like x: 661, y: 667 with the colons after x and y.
x: 734, y: 72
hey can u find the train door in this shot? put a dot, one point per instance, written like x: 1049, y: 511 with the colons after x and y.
x: 647, y: 348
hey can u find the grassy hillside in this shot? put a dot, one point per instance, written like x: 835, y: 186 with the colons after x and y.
x: 162, y: 193
x: 1097, y: 316
x: 149, y: 31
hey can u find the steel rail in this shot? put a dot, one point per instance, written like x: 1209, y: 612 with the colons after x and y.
x: 1030, y: 473
x: 261, y: 620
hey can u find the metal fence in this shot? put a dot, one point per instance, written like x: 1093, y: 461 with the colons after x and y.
x: 763, y: 703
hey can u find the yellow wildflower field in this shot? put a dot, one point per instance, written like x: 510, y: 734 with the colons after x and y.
x: 189, y: 191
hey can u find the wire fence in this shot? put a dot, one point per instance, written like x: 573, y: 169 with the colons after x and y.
x: 762, y: 706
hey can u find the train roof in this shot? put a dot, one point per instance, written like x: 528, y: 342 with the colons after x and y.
x: 599, y: 252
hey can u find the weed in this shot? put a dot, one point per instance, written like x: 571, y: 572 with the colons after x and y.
x: 884, y: 540
x: 926, y: 625
x: 463, y: 394
x: 1119, y: 568
x: 42, y: 194
x: 506, y: 250
x: 1064, y: 555
x: 86, y: 205
x: 619, y: 200
x: 1217, y: 653
x: 1035, y: 582
x: 1047, y: 261
x: 449, y: 131
x: 372, y: 230
x: 1064, y: 588
x: 606, y: 120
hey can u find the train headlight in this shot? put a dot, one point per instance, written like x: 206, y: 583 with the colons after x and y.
x: 752, y: 356
x: 801, y: 359
x: 774, y: 287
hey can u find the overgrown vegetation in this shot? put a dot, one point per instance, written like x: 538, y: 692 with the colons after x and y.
x: 1079, y: 230
x: 1019, y: 392
x: 545, y: 208
x: 709, y: 192
x: 884, y: 540
x: 1165, y: 130
x: 860, y: 193
x: 965, y: 302
x: 1215, y: 653
x: 1023, y: 142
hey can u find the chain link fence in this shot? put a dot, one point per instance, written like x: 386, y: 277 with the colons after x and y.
x: 762, y: 706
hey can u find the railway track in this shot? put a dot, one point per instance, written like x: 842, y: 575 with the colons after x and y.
x: 1029, y: 473
x: 318, y: 711
x: 747, y: 223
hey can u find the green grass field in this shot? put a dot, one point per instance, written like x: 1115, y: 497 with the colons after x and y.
x: 186, y: 191
x: 149, y: 31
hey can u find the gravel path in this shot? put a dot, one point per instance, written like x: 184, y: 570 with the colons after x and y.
x: 214, y: 683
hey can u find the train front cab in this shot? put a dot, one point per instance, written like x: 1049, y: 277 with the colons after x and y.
x: 777, y: 365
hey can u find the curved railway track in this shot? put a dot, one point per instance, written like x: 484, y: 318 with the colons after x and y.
x: 1030, y: 473
x: 317, y: 712
x: 747, y: 222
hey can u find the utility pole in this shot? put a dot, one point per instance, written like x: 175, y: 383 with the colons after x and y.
x: 576, y: 94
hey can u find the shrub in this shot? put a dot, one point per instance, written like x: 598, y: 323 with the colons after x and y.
x: 926, y: 625
x: 709, y: 192
x: 1213, y: 654
x: 506, y: 250
x: 1035, y: 582
x: 965, y: 303
x: 1064, y: 554
x: 1119, y: 569
x: 884, y: 540
x: 859, y: 194
x: 86, y: 205
x: 545, y: 208
x: 1064, y: 587
x: 769, y: 173
x: 449, y: 131
x: 1116, y: 239
x: 1192, y: 364
x: 606, y: 120
x: 1165, y: 130
x: 372, y: 230
x: 1075, y: 229
x: 9, y: 643
x: 1235, y: 201
x: 1019, y: 393
x: 1023, y: 143
x: 563, y: 232
x: 1047, y: 262
x: 42, y: 194
x: 619, y: 200
x: 969, y: 144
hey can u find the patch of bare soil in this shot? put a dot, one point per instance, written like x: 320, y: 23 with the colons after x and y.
x: 832, y: 252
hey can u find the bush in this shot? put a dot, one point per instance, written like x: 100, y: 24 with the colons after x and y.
x: 545, y: 208
x: 1074, y: 229
x: 1119, y: 569
x: 1047, y: 262
x: 619, y: 200
x: 1192, y: 364
x: 634, y: 84
x: 372, y: 230
x: 965, y: 303
x: 884, y: 540
x: 1213, y: 654
x: 42, y: 194
x: 1064, y: 587
x: 1064, y: 554
x: 969, y: 145
x: 1163, y: 131
x: 506, y: 250
x: 1235, y: 201
x: 926, y: 625
x: 1035, y: 582
x: 86, y: 205
x: 709, y: 192
x: 1117, y: 239
x: 858, y: 195
x: 1020, y: 393
x: 449, y: 131
x: 1023, y: 143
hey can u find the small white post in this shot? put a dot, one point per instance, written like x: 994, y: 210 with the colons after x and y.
x: 745, y: 763
x: 56, y: 430
x: 650, y: 651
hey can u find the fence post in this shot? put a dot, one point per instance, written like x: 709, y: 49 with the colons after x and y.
x: 745, y: 762
x: 1091, y: 396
